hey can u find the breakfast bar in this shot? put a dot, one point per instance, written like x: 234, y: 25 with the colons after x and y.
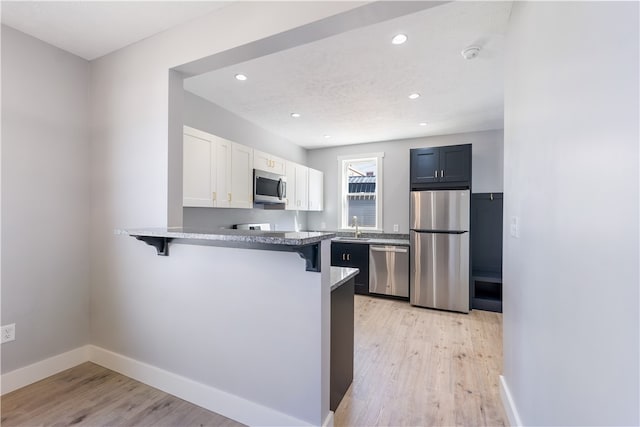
x: 272, y: 294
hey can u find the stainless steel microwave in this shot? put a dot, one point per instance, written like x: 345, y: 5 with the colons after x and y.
x: 269, y: 188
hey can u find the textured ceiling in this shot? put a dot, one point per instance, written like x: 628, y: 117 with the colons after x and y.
x: 91, y: 29
x: 355, y: 86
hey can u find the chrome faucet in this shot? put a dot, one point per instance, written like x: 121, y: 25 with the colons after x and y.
x: 355, y: 224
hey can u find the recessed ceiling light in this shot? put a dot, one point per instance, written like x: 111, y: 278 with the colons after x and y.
x: 470, y: 52
x: 399, y: 39
x: 423, y: 123
x: 414, y: 96
x: 327, y: 136
x: 241, y: 77
x: 295, y: 115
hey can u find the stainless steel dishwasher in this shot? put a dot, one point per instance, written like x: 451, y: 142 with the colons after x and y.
x: 389, y: 270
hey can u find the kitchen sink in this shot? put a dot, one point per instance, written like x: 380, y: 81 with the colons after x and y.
x: 352, y: 239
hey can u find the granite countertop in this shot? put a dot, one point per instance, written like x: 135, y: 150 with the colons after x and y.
x: 372, y: 241
x: 289, y: 238
x: 340, y: 276
x: 371, y: 238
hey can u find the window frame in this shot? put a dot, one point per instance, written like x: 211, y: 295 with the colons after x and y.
x: 343, y: 188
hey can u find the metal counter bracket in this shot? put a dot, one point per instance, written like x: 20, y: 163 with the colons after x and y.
x: 311, y: 254
x: 160, y: 243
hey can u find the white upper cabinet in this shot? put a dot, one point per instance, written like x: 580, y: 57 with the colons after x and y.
x: 198, y: 182
x: 304, y: 188
x: 316, y: 190
x: 290, y: 198
x: 218, y: 173
x: 241, y: 195
x: 221, y: 172
x: 301, y: 200
x: 268, y: 162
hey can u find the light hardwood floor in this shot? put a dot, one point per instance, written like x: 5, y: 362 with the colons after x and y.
x: 420, y: 367
x: 90, y: 395
x: 413, y: 367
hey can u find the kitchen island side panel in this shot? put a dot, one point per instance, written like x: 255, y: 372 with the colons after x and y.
x: 252, y: 323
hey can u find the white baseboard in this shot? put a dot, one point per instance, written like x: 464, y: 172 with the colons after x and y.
x: 328, y: 422
x: 213, y: 399
x: 40, y: 370
x: 509, y: 404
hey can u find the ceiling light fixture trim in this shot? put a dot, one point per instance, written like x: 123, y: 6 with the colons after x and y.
x: 241, y: 77
x: 415, y: 95
x: 399, y: 39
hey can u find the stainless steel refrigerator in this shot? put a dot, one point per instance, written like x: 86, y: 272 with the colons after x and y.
x: 439, y: 237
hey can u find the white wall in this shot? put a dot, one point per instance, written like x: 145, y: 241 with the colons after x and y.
x: 487, y: 173
x: 209, y: 117
x: 202, y: 114
x: 45, y: 199
x: 571, y: 323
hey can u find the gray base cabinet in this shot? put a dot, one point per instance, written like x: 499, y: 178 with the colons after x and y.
x: 355, y: 255
x: 341, y: 342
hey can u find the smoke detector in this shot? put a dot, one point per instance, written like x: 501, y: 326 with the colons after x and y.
x: 470, y: 52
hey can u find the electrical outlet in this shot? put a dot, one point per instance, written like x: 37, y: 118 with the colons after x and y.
x: 8, y: 333
x: 395, y: 228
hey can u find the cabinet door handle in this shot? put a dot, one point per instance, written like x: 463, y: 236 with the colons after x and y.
x: 229, y: 196
x: 436, y: 174
x: 441, y: 173
x: 348, y: 257
x: 214, y: 196
x: 343, y: 257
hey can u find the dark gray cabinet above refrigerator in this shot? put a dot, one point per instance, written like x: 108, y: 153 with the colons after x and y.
x: 441, y: 167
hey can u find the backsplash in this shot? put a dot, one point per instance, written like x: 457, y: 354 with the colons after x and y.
x: 216, y: 218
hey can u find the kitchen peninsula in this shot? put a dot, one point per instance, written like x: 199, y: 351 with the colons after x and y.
x: 270, y: 293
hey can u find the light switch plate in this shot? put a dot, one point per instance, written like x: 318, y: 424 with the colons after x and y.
x: 514, y: 227
x: 395, y: 228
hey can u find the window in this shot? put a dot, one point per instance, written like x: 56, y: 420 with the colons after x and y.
x: 361, y: 191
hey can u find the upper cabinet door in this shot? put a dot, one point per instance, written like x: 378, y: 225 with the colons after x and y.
x: 316, y: 190
x: 268, y: 162
x: 302, y: 187
x: 441, y: 168
x: 198, y: 182
x: 241, y: 195
x: 221, y: 172
x: 424, y: 165
x: 455, y: 163
x: 290, y: 197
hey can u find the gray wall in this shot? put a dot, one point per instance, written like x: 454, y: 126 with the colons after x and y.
x: 487, y: 148
x: 209, y: 117
x: 159, y: 310
x: 45, y: 199
x: 571, y: 323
